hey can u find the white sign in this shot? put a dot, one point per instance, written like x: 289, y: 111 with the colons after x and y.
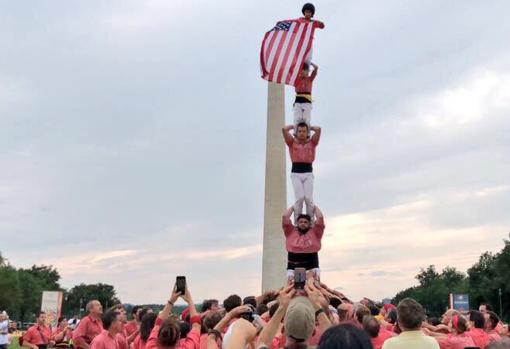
x: 52, y: 305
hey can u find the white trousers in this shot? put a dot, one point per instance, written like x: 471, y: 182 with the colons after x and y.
x: 316, y: 273
x: 303, y: 192
x: 302, y: 113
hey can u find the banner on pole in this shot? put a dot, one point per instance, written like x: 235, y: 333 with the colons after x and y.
x: 52, y: 305
x: 459, y: 302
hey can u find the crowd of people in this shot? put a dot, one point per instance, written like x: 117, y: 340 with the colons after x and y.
x: 293, y: 318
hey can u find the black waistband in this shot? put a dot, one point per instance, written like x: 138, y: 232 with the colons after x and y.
x: 302, y: 260
x: 301, y: 99
x: 301, y: 167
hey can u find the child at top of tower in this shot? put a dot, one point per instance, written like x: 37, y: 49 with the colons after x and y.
x: 308, y: 12
x: 303, y: 101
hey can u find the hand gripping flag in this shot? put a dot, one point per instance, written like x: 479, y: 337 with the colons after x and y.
x: 285, y: 48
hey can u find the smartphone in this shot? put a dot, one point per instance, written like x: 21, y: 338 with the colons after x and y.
x: 180, y: 284
x: 299, y: 278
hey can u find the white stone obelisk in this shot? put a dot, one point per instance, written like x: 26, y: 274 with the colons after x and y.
x: 274, y: 258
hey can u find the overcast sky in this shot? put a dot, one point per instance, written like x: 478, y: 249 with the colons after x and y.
x: 132, y: 140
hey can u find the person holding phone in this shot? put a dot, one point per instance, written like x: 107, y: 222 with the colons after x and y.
x: 303, y: 242
x: 166, y: 333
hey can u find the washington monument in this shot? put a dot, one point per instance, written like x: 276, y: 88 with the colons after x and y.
x: 274, y: 258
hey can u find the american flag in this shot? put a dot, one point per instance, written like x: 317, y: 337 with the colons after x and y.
x: 284, y: 50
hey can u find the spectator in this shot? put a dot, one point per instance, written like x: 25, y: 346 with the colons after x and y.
x: 109, y: 337
x: 345, y: 336
x: 39, y: 335
x: 62, y: 335
x: 410, y: 316
x: 4, y: 330
x: 458, y: 338
x: 134, y: 325
x: 378, y: 335
x: 210, y: 304
x: 166, y: 332
x: 90, y: 326
x: 231, y: 302
x: 361, y: 312
x: 477, y: 332
x: 491, y: 323
x: 146, y: 326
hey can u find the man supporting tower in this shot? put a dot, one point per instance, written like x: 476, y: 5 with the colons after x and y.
x: 302, y: 155
x: 303, y: 242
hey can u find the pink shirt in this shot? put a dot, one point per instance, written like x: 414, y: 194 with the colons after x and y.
x: 37, y: 335
x: 459, y: 341
x: 304, y: 85
x: 105, y: 340
x: 494, y: 336
x: 130, y: 328
x: 138, y: 343
x: 87, y: 330
x: 192, y: 340
x: 479, y: 336
x: 302, y: 152
x: 67, y: 336
x: 303, y: 243
x: 383, y: 335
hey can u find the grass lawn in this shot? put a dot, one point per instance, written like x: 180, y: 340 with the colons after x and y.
x: 14, y: 344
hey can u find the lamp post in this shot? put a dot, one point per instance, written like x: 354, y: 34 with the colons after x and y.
x: 500, y: 293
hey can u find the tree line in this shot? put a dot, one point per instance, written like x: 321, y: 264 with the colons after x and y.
x: 21, y: 289
x: 487, y: 281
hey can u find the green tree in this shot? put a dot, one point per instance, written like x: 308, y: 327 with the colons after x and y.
x: 10, y: 293
x: 488, y: 276
x: 434, y: 289
x: 81, y: 294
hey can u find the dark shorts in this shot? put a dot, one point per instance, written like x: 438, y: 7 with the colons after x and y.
x: 302, y: 260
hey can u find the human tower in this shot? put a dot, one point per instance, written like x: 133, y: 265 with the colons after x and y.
x: 303, y: 236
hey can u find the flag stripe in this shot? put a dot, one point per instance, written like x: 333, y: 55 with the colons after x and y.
x: 291, y: 58
x: 273, y: 54
x: 283, y: 54
x: 301, y: 55
x: 282, y: 75
x: 284, y: 49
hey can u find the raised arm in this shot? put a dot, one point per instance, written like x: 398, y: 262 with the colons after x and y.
x: 318, y: 213
x: 167, y: 309
x: 316, y: 134
x: 319, y: 302
x: 315, y: 70
x: 319, y: 24
x: 286, y: 134
x: 269, y: 331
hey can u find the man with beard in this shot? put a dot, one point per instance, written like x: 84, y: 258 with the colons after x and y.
x: 303, y: 242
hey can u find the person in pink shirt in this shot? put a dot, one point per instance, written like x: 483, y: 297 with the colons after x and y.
x: 477, y: 332
x: 303, y: 102
x: 146, y: 326
x: 89, y: 327
x: 491, y: 322
x: 62, y: 334
x: 39, y: 335
x: 166, y: 332
x: 457, y: 338
x: 302, y: 154
x: 303, y: 242
x: 378, y: 335
x: 133, y: 325
x: 109, y: 338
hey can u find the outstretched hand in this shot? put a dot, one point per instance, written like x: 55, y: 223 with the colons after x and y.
x: 315, y: 296
x: 286, y: 296
x: 175, y: 295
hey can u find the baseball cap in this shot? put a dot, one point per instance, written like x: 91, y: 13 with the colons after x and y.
x: 300, y: 319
